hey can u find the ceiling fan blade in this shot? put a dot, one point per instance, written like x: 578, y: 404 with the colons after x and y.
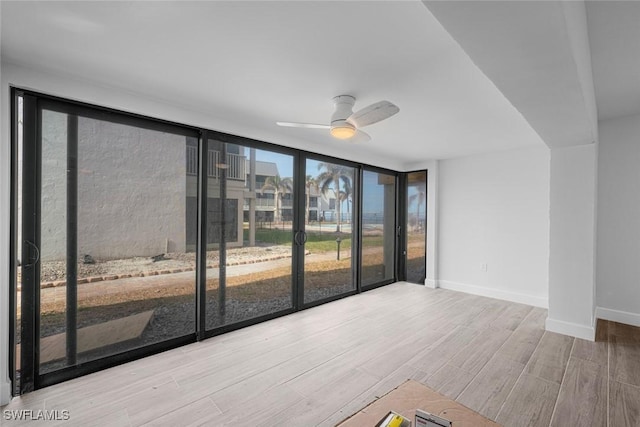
x: 360, y: 136
x: 373, y: 113
x: 303, y: 125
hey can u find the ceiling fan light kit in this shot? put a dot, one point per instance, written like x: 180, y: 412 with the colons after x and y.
x: 345, y: 124
x: 343, y: 131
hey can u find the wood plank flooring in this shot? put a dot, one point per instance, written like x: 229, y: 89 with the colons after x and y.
x: 319, y: 366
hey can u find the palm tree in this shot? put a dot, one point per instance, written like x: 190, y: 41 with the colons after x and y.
x: 342, y: 197
x: 345, y: 195
x: 335, y: 175
x: 420, y: 196
x: 309, y: 183
x: 279, y: 186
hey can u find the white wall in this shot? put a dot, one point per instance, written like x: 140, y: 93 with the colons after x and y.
x: 618, y: 248
x: 494, y: 210
x: 572, y: 241
x: 5, y: 180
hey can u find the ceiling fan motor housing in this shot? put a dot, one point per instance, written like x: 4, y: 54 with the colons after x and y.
x: 343, y: 109
x: 340, y: 127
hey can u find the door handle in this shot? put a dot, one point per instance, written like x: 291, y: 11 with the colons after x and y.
x: 300, y: 238
x: 32, y: 263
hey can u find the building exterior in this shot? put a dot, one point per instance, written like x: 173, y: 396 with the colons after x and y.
x: 118, y: 219
x: 265, y: 198
x: 319, y: 204
x: 230, y: 173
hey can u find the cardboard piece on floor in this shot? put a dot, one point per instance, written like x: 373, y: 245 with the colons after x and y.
x: 412, y: 395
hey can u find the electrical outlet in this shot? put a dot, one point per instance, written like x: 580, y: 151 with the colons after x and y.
x: 483, y: 267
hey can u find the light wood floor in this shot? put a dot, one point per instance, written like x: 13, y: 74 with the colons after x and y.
x: 318, y: 366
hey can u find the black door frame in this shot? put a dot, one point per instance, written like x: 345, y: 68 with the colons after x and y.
x: 30, y: 256
x: 13, y: 244
x: 403, y: 212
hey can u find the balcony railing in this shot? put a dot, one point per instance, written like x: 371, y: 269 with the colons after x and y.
x: 234, y: 164
x: 261, y: 203
x: 269, y: 203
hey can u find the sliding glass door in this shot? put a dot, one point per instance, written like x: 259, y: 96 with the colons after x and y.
x: 329, y: 231
x: 107, y: 261
x: 249, y: 232
x: 378, y: 228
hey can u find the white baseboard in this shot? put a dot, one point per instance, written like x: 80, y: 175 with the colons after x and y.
x: 495, y: 293
x: 431, y: 283
x: 5, y: 393
x: 618, y: 316
x: 586, y: 332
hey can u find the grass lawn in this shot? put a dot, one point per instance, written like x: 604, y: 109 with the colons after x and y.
x: 316, y: 242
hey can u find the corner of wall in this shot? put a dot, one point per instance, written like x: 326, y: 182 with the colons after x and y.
x: 572, y: 329
x: 575, y: 16
x: 617, y: 296
x: 572, y: 248
x: 618, y: 316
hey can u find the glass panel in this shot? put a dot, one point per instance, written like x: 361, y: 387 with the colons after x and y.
x: 378, y: 227
x: 328, y: 263
x: 251, y: 277
x: 416, y: 226
x: 53, y: 238
x: 135, y: 268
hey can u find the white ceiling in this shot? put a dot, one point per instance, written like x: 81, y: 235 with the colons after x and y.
x: 614, y: 35
x: 564, y: 65
x: 537, y: 54
x: 260, y: 62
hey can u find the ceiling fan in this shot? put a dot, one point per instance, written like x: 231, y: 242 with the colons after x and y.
x: 345, y: 124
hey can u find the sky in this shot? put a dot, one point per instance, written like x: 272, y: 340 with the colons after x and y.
x: 284, y: 161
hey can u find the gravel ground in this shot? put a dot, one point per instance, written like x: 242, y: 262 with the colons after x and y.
x: 56, y: 270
